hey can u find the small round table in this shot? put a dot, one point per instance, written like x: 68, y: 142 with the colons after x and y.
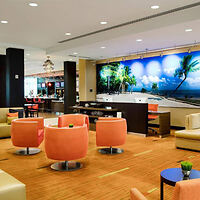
x: 172, y: 175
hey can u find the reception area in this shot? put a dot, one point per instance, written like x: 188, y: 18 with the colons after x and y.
x: 99, y: 100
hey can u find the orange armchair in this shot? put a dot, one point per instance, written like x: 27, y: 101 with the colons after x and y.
x: 27, y: 132
x: 66, y: 144
x: 111, y: 132
x: 184, y: 190
x: 75, y: 119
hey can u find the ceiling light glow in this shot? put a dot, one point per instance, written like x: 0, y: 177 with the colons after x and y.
x: 103, y: 47
x: 139, y: 40
x: 155, y: 7
x: 4, y: 22
x: 188, y: 30
x: 67, y: 34
x: 103, y: 23
x: 33, y: 4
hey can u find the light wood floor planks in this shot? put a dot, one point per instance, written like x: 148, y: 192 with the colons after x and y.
x: 103, y: 177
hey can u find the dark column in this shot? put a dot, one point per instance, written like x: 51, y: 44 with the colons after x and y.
x: 70, y: 85
x: 14, y: 77
x: 2, y: 81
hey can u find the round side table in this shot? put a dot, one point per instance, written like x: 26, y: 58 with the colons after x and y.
x: 172, y: 175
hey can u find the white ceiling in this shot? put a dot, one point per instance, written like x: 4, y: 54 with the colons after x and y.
x: 38, y: 29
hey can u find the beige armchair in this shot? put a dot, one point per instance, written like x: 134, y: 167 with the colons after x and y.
x: 190, y: 137
x: 4, y: 126
x: 11, y: 188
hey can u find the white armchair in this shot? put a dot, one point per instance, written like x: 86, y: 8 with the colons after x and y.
x: 190, y: 137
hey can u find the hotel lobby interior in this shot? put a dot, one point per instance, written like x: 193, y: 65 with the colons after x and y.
x: 99, y: 100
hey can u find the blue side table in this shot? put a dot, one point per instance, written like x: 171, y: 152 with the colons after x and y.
x: 172, y: 175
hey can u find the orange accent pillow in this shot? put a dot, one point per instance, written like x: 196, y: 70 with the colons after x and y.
x: 12, y: 114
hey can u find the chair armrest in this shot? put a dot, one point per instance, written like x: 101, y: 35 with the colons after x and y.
x: 136, y: 195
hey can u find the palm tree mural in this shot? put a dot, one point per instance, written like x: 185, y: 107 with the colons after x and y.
x: 132, y: 82
x: 123, y: 76
x: 154, y: 87
x: 186, y: 66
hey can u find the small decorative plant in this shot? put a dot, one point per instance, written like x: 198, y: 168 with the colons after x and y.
x: 71, y: 125
x: 186, y: 167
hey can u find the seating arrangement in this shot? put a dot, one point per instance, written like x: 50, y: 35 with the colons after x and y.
x: 33, y: 110
x: 27, y: 132
x: 111, y: 132
x: 75, y: 119
x: 11, y: 188
x: 5, y: 124
x: 190, y: 137
x: 184, y: 190
x: 152, y: 107
x: 66, y: 144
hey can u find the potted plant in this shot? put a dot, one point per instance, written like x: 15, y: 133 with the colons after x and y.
x: 71, y: 125
x: 186, y: 167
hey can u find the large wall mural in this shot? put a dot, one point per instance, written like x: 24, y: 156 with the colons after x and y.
x: 170, y: 80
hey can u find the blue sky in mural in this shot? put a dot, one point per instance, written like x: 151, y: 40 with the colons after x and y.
x: 161, y: 70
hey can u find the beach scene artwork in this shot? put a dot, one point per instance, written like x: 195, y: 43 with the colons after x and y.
x: 168, y: 80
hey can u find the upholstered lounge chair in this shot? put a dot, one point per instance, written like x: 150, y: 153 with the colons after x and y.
x: 27, y: 132
x: 66, y: 144
x: 184, y: 190
x: 110, y: 132
x: 11, y: 188
x: 75, y: 119
x: 190, y: 137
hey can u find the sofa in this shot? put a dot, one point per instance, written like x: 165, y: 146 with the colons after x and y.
x: 4, y: 126
x: 11, y: 188
x: 190, y: 137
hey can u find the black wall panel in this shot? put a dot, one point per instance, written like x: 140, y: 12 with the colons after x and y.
x: 2, y: 81
x: 70, y: 85
x: 14, y: 77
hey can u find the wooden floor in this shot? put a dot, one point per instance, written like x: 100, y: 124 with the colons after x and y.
x: 103, y: 177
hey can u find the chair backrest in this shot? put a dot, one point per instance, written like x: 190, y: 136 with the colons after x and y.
x: 66, y: 143
x: 192, y: 121
x: 75, y: 119
x: 136, y: 195
x: 24, y: 131
x: 153, y: 107
x: 35, y: 107
x: 111, y: 131
x: 187, y: 190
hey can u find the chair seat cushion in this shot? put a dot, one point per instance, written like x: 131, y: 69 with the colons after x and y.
x: 11, y: 188
x: 189, y: 134
x: 152, y: 117
x: 4, y: 124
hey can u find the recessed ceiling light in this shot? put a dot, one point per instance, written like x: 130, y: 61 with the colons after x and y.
x: 104, y: 22
x: 103, y: 47
x: 139, y: 40
x: 4, y: 22
x: 75, y: 53
x: 33, y: 4
x: 155, y: 7
x: 28, y: 54
x: 67, y: 33
x: 188, y: 30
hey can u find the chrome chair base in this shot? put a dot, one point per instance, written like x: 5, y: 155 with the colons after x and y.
x: 27, y: 151
x: 111, y: 150
x: 66, y: 166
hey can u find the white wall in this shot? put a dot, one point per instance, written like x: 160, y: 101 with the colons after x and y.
x: 30, y: 83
